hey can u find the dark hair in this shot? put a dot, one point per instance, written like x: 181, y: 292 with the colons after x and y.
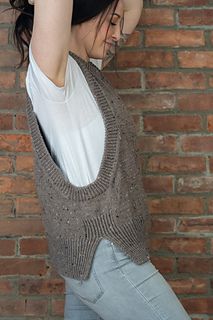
x: 83, y: 10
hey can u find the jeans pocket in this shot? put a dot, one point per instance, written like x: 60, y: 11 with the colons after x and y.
x: 89, y: 290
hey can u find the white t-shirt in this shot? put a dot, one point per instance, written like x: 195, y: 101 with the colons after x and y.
x: 70, y: 119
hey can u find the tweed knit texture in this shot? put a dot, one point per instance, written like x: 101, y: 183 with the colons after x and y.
x: 112, y: 207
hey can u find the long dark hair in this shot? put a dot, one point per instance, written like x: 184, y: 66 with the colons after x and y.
x: 83, y: 10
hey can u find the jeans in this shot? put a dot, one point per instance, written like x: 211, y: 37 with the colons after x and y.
x: 119, y: 289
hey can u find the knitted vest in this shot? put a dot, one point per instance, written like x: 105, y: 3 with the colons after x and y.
x: 112, y: 207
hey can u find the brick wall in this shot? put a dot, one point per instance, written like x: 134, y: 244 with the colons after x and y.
x: 168, y: 64
x: 166, y: 78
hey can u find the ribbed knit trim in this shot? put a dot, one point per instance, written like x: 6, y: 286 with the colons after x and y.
x: 63, y: 250
x: 111, y: 144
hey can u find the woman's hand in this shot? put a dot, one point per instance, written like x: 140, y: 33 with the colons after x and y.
x: 132, y: 13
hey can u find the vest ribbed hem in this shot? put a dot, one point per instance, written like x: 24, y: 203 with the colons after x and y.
x: 126, y: 237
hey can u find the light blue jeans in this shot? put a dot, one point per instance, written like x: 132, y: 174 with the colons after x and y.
x: 119, y: 289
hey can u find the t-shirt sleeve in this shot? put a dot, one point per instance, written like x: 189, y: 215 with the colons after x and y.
x: 46, y: 88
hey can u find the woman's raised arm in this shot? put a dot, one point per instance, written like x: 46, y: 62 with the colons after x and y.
x: 132, y: 13
x: 51, y: 36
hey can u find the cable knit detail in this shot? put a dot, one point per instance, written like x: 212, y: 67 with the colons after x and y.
x: 111, y: 207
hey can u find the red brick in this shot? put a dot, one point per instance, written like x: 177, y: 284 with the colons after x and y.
x: 6, y: 16
x: 157, y: 16
x: 162, y: 225
x: 7, y: 80
x: 6, y: 122
x: 6, y: 287
x: 4, y: 36
x: 8, y: 58
x: 177, y: 205
x: 195, y: 101
x: 36, y: 307
x: 57, y: 307
x: 197, y: 143
x: 15, y: 266
x: 124, y: 80
x: 17, y: 185
x: 158, y: 184
x: 41, y: 287
x: 6, y: 207
x: 15, y: 143
x: 10, y: 307
x: 164, y: 265
x: 195, y: 184
x: 134, y: 39
x: 149, y: 59
x: 29, y: 206
x: 181, y: 2
x: 196, y: 225
x: 7, y: 247
x: 211, y: 36
x: 174, y: 164
x: 199, y: 17
x: 195, y: 265
x: 198, y: 305
x: 174, y: 38
x: 172, y: 123
x: 12, y: 100
x: 189, y: 286
x: 21, y: 122
x: 136, y: 118
x: 178, y: 245
x: 210, y: 205
x: 195, y: 59
x: 33, y: 246
x: 25, y: 163
x: 175, y: 80
x: 210, y: 80
x: 22, y: 78
x: 6, y: 164
x: 157, y: 143
x: 21, y: 227
x: 150, y: 101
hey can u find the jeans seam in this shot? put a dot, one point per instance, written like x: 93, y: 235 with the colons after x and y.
x: 132, y: 284
x: 99, y: 284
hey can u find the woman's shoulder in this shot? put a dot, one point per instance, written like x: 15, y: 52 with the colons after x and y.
x: 45, y: 87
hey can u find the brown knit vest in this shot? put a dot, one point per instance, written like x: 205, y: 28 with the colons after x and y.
x: 111, y: 207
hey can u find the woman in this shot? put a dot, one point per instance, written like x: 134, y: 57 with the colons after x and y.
x: 86, y: 167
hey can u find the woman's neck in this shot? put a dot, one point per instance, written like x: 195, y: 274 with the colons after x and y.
x: 76, y: 47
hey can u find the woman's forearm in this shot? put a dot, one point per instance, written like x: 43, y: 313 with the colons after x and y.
x: 51, y: 36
